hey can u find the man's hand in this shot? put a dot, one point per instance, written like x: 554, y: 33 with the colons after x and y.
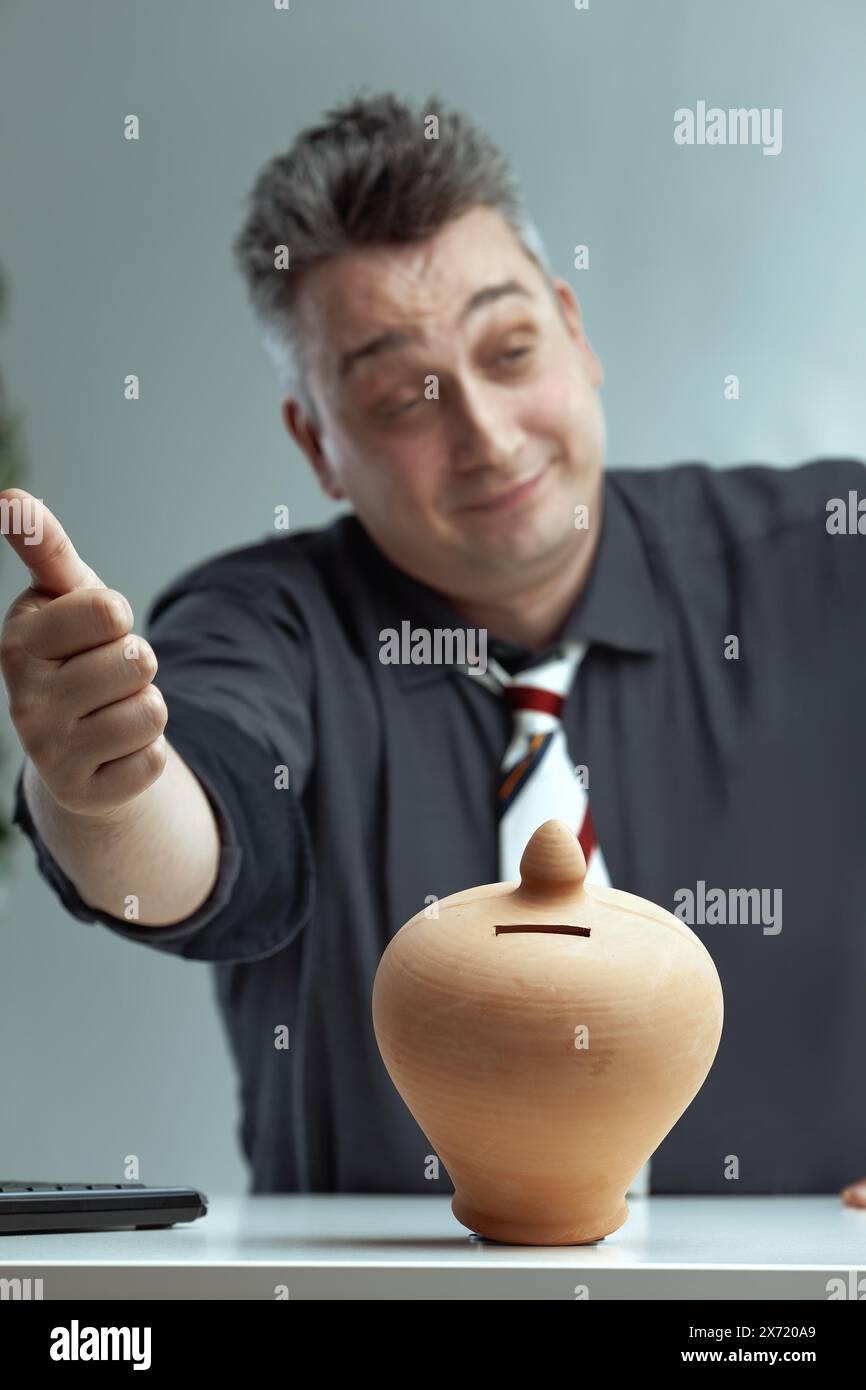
x: 854, y: 1195
x: 79, y: 681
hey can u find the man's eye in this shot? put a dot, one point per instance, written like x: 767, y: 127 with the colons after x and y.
x: 513, y: 354
x: 400, y: 409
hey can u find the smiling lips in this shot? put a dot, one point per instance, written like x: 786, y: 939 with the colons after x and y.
x: 507, y: 499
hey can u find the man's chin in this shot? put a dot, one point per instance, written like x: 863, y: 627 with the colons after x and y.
x: 546, y: 523
x: 527, y: 548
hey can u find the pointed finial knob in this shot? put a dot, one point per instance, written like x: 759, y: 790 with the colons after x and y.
x: 553, y: 861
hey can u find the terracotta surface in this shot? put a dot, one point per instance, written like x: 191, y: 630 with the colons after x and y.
x: 546, y: 1036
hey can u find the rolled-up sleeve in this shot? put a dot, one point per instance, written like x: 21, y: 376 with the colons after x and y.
x: 235, y: 676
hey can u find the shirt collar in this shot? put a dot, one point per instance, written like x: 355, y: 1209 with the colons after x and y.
x: 618, y: 607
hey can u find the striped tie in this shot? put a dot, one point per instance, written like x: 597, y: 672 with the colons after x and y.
x: 538, y: 780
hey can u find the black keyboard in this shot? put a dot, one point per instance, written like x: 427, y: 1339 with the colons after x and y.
x: 68, y: 1186
x: 28, y: 1208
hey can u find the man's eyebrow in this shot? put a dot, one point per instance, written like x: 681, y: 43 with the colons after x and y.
x: 491, y: 293
x: 397, y: 338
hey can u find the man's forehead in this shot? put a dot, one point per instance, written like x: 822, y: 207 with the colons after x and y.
x: 403, y: 280
x: 472, y: 262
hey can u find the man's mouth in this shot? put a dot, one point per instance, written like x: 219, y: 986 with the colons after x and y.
x: 509, y: 497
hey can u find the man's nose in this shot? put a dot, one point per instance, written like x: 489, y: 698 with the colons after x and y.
x: 485, y: 433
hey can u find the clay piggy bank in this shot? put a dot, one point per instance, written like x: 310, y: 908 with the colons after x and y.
x: 546, y: 1035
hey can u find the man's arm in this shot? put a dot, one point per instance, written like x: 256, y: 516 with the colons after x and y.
x: 153, y: 861
x: 117, y: 807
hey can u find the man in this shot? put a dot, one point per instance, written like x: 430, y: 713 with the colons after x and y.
x: 294, y: 794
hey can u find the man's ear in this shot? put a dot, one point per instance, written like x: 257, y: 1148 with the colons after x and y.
x: 309, y: 440
x: 569, y: 308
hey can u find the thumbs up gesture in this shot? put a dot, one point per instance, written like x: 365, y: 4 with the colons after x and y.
x: 79, y: 681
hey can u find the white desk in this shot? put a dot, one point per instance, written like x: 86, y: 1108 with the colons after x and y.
x: 340, y: 1247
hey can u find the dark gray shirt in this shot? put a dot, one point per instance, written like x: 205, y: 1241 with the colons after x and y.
x: 732, y: 773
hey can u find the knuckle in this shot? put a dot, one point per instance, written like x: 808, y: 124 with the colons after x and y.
x: 20, y: 709
x: 110, y: 609
x: 34, y: 711
x: 36, y: 742
x: 53, y: 754
x: 14, y: 656
x: 153, y: 757
x: 153, y: 708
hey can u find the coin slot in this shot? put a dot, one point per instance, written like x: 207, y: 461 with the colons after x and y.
x: 562, y: 928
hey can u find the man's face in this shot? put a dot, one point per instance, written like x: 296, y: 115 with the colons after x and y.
x: 458, y: 401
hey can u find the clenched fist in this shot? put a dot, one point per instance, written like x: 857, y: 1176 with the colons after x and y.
x: 79, y: 681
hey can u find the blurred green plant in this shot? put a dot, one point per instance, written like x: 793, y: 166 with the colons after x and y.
x: 11, y: 470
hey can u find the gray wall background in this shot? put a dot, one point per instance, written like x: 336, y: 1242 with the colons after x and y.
x: 703, y: 262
